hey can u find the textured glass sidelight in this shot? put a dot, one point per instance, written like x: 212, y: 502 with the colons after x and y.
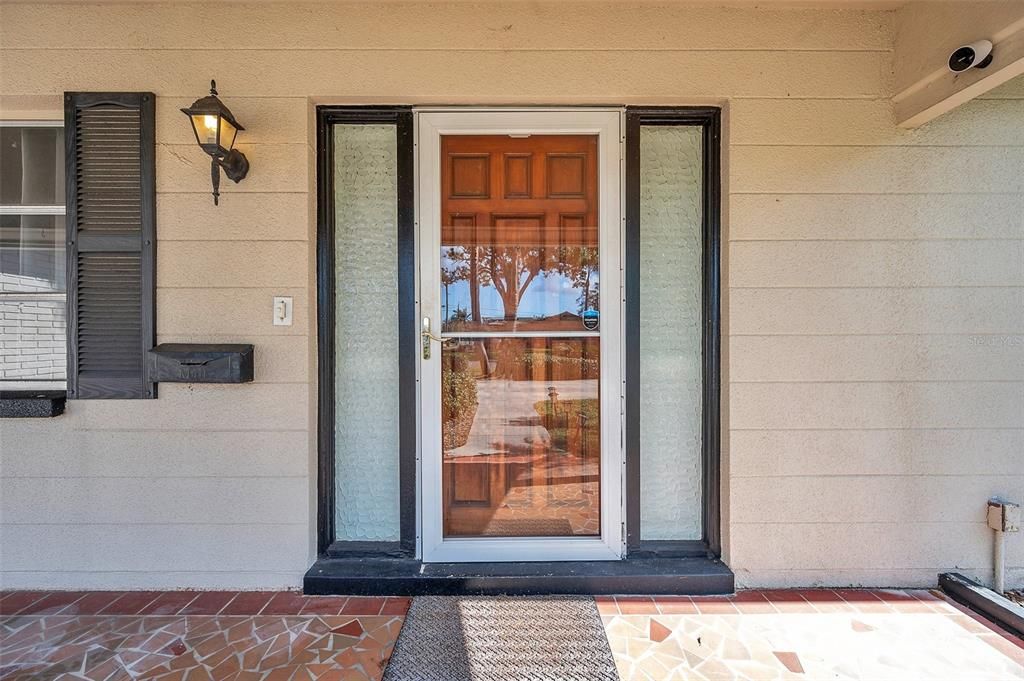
x: 670, y: 332
x: 366, y: 333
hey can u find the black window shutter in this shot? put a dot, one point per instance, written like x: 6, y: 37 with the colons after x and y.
x: 111, y: 243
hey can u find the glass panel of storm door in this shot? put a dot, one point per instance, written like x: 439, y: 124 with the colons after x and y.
x: 519, y: 236
x: 520, y: 371
x: 366, y: 333
x: 671, y: 167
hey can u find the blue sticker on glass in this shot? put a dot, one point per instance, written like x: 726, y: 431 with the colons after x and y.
x: 591, y: 319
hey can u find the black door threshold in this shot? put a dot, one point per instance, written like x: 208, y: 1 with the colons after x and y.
x: 363, y: 576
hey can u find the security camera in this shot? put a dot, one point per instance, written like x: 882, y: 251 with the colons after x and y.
x: 976, y: 55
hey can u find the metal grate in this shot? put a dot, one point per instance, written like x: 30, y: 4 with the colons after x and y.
x: 484, y: 638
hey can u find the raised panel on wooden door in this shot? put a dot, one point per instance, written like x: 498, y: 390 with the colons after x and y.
x: 469, y: 176
x: 517, y: 175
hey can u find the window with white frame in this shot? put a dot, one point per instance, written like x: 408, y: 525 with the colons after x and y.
x: 33, y: 342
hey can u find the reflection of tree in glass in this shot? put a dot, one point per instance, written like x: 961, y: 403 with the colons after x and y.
x: 580, y: 264
x: 454, y: 269
x: 511, y: 270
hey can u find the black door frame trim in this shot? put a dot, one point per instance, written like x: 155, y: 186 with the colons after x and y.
x: 401, y: 117
x: 710, y: 121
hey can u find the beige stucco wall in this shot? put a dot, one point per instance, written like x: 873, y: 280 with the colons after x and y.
x: 874, y: 393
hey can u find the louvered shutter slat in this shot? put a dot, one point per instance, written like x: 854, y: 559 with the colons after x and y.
x: 111, y: 242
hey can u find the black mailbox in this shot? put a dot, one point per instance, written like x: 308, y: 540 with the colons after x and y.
x: 200, y: 363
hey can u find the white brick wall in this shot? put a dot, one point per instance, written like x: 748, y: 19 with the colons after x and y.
x: 33, y: 344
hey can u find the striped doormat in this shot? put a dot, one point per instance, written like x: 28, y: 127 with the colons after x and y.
x: 502, y: 638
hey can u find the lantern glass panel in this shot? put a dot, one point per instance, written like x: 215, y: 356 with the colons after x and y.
x: 205, y: 126
x: 227, y: 134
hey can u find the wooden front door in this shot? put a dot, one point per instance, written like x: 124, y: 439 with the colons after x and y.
x: 519, y: 228
x: 518, y: 289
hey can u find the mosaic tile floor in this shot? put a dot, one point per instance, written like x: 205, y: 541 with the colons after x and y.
x: 189, y: 636
x: 819, y: 634
x: 266, y: 636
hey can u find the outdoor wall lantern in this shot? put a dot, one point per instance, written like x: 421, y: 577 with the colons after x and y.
x: 215, y: 129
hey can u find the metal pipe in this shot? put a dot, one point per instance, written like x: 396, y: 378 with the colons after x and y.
x: 1000, y: 562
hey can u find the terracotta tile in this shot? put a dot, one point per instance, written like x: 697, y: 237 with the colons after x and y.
x: 208, y: 603
x: 92, y: 603
x: 252, y: 657
x: 1008, y: 648
x: 790, y: 661
x: 266, y: 628
x: 864, y: 600
x: 990, y: 626
x: 210, y: 645
x: 199, y: 674
x: 783, y: 595
x: 171, y: 676
x: 276, y: 658
x: 15, y: 601
x: 248, y: 603
x: 285, y: 603
x: 226, y: 669
x: 353, y: 628
x: 324, y: 605
x: 105, y: 669
x: 606, y: 605
x: 169, y: 603
x: 893, y: 595
x: 914, y: 606
x: 130, y: 603
x: 22, y: 632
x: 861, y: 627
x: 970, y: 624
x: 715, y: 605
x: 788, y: 600
x: 363, y: 605
x: 396, y: 605
x: 1012, y: 638
x: 218, y: 655
x: 636, y: 605
x: 827, y: 600
x: 657, y: 631
x: 158, y: 642
x: 52, y: 603
x: 317, y: 669
x: 752, y: 603
x: 243, y: 630
x: 675, y: 605
x: 250, y: 676
x: 926, y: 595
x: 200, y: 628
x: 67, y: 655
x: 819, y: 595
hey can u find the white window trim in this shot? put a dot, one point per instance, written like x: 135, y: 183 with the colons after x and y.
x: 20, y: 296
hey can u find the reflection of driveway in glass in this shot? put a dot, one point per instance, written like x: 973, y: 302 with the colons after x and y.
x: 506, y: 421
